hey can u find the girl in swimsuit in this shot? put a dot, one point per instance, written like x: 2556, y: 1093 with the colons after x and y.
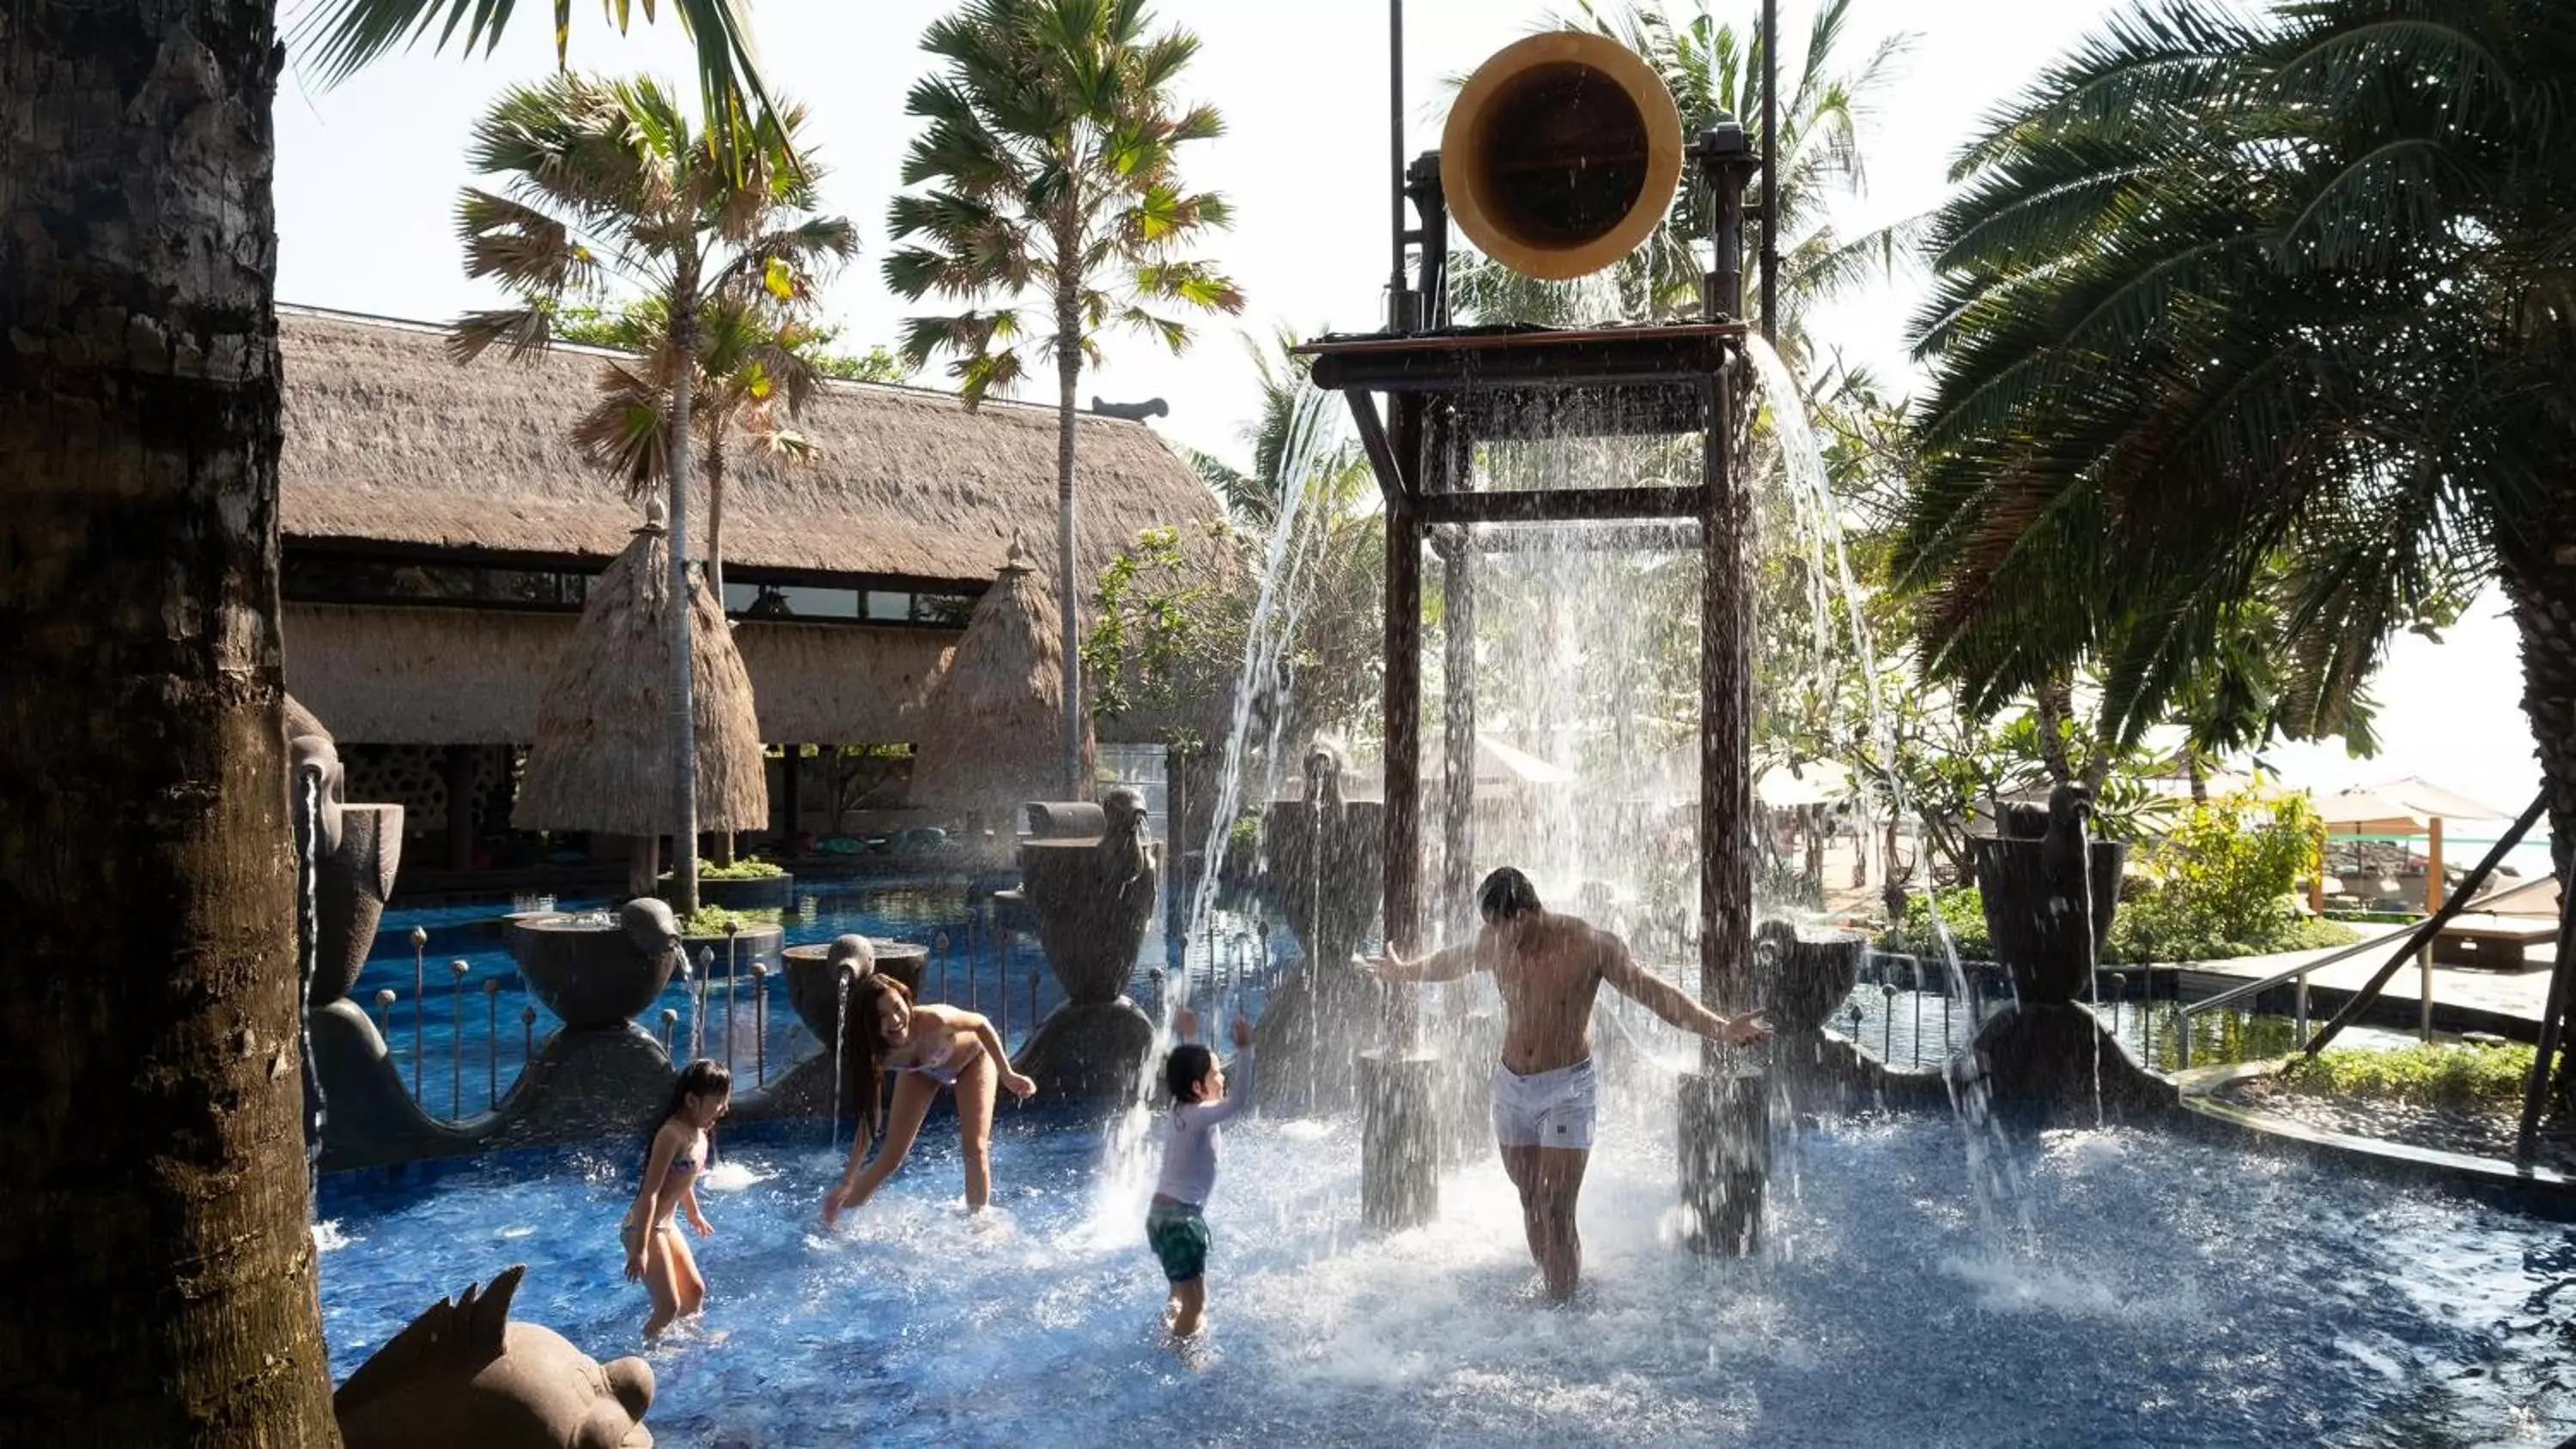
x: 655, y: 1251
x: 927, y: 1047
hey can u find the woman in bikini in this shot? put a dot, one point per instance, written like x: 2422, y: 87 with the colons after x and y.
x: 655, y: 1251
x: 927, y: 1047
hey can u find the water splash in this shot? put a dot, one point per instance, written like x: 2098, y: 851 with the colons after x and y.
x: 1993, y: 1171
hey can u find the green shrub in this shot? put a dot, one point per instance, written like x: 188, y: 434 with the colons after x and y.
x: 746, y: 868
x: 1961, y: 911
x: 2221, y: 881
x: 711, y: 920
x: 2437, y: 1075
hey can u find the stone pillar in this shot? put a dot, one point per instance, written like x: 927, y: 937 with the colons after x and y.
x: 1725, y: 1158
x: 1399, y: 1146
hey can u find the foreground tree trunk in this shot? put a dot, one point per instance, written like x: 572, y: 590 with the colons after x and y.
x: 158, y: 1250
x: 2540, y: 581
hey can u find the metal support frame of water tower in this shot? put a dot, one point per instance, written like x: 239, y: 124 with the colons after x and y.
x: 1446, y: 387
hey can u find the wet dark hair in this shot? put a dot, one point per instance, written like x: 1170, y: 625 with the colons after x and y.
x: 863, y: 1047
x: 1505, y: 894
x: 1185, y: 1068
x: 704, y: 1077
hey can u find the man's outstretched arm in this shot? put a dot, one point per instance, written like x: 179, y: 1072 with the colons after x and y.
x: 1666, y: 1000
x: 1446, y: 964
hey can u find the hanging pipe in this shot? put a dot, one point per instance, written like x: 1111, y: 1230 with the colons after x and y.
x: 456, y: 971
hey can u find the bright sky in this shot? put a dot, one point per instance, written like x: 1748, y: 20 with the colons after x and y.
x: 368, y: 175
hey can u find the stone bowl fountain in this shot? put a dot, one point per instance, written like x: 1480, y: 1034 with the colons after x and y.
x: 2036, y: 919
x: 595, y: 971
x: 1804, y: 974
x: 813, y: 973
x: 1090, y: 878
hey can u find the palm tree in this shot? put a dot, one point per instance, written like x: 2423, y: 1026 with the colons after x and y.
x: 1050, y: 164
x: 2259, y: 308
x: 1713, y: 69
x: 608, y: 180
x: 161, y: 1257
x: 756, y: 372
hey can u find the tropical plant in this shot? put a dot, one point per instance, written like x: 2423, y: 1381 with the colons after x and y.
x: 605, y: 181
x: 2259, y: 311
x: 1049, y: 167
x: 164, y: 1260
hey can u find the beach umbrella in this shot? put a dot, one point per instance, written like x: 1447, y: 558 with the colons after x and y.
x: 602, y: 759
x: 991, y: 721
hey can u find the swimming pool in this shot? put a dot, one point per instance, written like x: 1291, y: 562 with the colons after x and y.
x: 2163, y: 1292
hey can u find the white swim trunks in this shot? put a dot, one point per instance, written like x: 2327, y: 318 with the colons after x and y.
x: 1544, y: 1109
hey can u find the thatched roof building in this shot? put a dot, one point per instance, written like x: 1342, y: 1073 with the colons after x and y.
x: 996, y: 713
x: 441, y: 534
x: 602, y: 757
x: 389, y: 443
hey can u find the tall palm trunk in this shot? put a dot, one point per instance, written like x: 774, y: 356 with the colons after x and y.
x: 684, y: 715
x: 158, y: 1249
x: 1068, y: 373
x: 722, y: 845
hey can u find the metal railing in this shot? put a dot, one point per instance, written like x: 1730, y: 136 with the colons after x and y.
x: 2184, y: 1011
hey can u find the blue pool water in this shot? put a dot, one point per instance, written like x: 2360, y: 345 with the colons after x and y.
x: 2166, y: 1293
x: 464, y: 1050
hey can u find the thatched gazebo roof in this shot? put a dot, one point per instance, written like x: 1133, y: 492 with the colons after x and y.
x: 602, y: 757
x: 993, y: 723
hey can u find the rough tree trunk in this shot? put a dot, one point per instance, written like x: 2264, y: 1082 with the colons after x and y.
x: 2056, y: 705
x: 158, y: 1251
x: 1068, y: 372
x: 684, y: 716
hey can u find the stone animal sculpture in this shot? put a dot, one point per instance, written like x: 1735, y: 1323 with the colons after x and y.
x: 2061, y: 846
x: 463, y: 1375
x: 1132, y: 412
x: 359, y: 847
x: 1324, y: 875
x: 1092, y: 897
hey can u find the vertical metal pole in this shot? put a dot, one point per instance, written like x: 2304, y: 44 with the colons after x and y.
x: 732, y: 964
x: 491, y: 1041
x: 456, y: 1048
x: 419, y: 1006
x: 1399, y: 312
x: 2424, y: 987
x: 1770, y: 144
x: 760, y: 1023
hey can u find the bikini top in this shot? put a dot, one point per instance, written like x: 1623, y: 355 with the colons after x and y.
x: 939, y: 1063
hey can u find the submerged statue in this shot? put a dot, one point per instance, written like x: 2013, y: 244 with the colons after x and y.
x: 1325, y: 875
x: 1089, y: 875
x: 463, y: 1374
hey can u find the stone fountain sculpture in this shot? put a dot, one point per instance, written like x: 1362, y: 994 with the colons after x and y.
x: 2049, y: 892
x: 1089, y: 875
x: 354, y: 859
x: 464, y: 1374
x: 1324, y: 875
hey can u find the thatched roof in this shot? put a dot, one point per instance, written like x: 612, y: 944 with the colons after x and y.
x: 992, y: 729
x: 389, y: 442
x: 602, y: 756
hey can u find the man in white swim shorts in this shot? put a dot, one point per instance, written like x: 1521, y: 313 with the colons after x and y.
x: 1549, y: 968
